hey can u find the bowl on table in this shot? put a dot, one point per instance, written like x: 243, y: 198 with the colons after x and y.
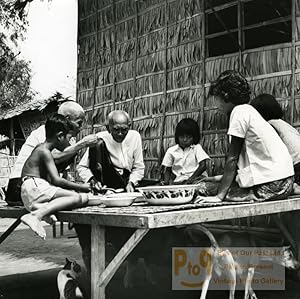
x: 113, y: 200
x: 169, y: 195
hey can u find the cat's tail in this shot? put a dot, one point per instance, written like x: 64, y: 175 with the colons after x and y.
x: 194, y: 230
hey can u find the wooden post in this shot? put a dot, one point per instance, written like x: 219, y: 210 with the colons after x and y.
x: 203, y: 56
x: 95, y: 71
x: 114, y: 265
x: 165, y: 92
x: 97, y: 260
x: 136, y: 40
x: 12, y: 148
x: 293, y: 61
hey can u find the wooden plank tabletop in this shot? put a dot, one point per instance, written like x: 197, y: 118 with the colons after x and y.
x: 145, y: 216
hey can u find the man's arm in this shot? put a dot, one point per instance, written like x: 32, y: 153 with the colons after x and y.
x: 69, y: 152
x: 56, y: 180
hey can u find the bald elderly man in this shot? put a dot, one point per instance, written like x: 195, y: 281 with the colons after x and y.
x: 75, y: 113
x: 117, y: 160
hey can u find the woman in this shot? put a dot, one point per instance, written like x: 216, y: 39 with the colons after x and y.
x: 257, y: 160
x: 271, y: 111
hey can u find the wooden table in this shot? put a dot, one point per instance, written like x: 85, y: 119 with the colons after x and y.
x: 143, y: 218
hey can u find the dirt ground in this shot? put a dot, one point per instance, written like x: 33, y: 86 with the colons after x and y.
x: 29, y: 267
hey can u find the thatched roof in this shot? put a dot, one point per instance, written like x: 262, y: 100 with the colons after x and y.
x: 35, y: 104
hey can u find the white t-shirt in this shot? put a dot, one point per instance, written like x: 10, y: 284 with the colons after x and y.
x: 125, y: 155
x: 264, y: 157
x: 184, y: 162
x: 290, y: 137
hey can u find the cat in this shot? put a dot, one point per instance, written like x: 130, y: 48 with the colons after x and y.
x: 67, y: 281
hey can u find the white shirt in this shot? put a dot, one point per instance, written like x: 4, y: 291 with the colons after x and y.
x: 125, y: 155
x: 264, y: 157
x: 184, y: 162
x: 36, y: 137
x: 290, y: 137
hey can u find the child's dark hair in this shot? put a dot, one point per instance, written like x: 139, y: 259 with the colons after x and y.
x: 57, y: 123
x: 267, y: 106
x: 232, y: 87
x: 187, y: 126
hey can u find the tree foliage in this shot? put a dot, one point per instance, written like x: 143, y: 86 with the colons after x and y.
x: 15, y: 74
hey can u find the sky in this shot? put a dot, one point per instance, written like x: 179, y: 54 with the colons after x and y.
x: 51, y: 46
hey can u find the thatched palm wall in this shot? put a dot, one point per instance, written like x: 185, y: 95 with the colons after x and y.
x: 148, y: 58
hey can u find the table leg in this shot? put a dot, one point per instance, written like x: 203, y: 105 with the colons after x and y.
x: 119, y: 258
x: 97, y: 260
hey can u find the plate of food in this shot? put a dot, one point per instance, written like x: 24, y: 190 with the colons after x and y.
x: 112, y: 200
x: 169, y: 195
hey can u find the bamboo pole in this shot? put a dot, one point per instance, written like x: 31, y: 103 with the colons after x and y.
x: 165, y: 86
x: 293, y: 60
x: 202, y: 83
x: 114, y: 54
x: 95, y: 69
x: 241, y: 39
x: 135, y: 61
x: 12, y: 147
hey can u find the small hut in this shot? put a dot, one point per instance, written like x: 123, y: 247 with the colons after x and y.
x: 156, y: 59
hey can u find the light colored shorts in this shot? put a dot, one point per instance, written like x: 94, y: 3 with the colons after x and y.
x: 36, y: 190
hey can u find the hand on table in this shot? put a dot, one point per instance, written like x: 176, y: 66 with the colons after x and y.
x: 130, y: 187
x: 207, y: 199
x: 95, y: 185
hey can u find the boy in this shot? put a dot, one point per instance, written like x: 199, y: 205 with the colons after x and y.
x: 43, y: 191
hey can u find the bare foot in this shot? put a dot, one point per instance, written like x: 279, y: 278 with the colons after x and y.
x: 35, y: 224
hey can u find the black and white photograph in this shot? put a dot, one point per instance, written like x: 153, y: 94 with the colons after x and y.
x: 149, y: 149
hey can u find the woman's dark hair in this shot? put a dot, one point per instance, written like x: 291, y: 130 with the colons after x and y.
x: 232, y: 87
x: 267, y: 106
x: 187, y: 126
x: 57, y: 123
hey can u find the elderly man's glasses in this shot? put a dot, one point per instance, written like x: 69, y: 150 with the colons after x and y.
x: 122, y: 130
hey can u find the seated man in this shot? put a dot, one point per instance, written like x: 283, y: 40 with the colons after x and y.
x: 117, y: 160
x: 74, y: 113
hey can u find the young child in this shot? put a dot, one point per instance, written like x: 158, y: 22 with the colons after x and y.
x: 185, y: 162
x: 271, y: 111
x: 43, y: 191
